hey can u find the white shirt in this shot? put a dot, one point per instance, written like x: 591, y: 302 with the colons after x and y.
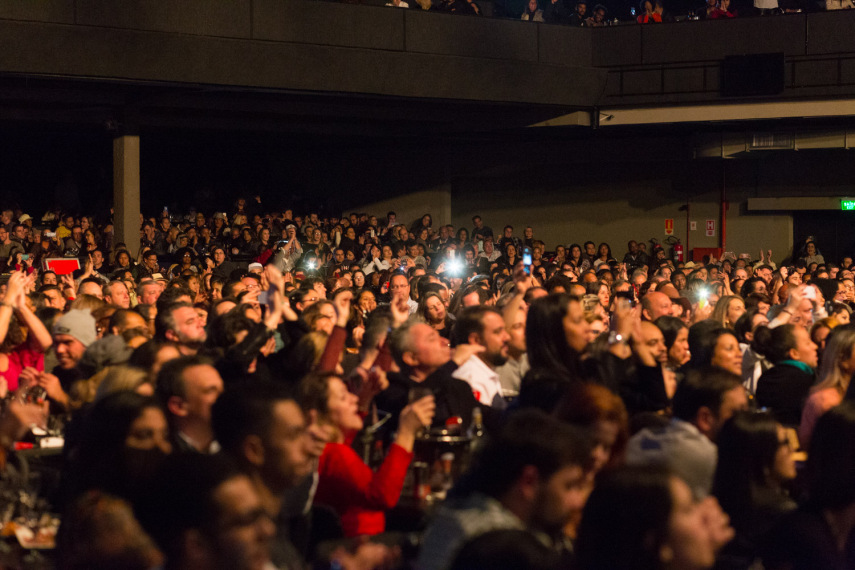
x: 412, y: 306
x: 213, y: 447
x: 492, y: 257
x: 483, y: 380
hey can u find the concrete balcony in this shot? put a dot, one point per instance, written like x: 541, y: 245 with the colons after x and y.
x: 301, y: 46
x: 680, y: 63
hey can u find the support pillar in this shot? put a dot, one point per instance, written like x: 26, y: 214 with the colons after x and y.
x: 126, y: 192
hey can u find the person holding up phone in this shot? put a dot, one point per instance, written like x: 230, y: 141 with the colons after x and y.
x: 526, y: 259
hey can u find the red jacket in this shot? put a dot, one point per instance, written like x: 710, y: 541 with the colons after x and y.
x: 359, y: 495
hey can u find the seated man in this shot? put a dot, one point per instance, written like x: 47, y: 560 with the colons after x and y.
x: 483, y: 327
x: 116, y: 293
x: 702, y: 403
x: 188, y: 387
x: 511, y: 372
x: 72, y: 334
x: 655, y: 305
x: 205, y: 513
x: 534, y: 475
x: 179, y: 323
x: 263, y: 429
x: 426, y: 361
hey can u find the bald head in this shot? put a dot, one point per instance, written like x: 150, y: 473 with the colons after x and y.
x: 577, y: 289
x: 654, y: 305
x: 668, y: 289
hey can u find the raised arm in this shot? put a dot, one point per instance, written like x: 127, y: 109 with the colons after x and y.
x: 14, y: 290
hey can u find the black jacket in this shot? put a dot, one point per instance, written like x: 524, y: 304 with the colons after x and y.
x: 454, y: 397
x: 783, y: 389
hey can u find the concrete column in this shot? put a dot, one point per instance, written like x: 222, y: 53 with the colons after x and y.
x: 126, y: 191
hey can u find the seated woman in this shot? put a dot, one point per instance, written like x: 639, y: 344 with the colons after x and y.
x: 647, y: 15
x: 676, y: 335
x: 755, y: 465
x: 602, y: 414
x: 712, y: 345
x: 645, y: 517
x: 728, y: 310
x: 821, y: 534
x: 557, y: 336
x: 434, y: 313
x: 811, y: 254
x: 835, y: 373
x: 785, y: 387
x: 510, y: 258
x: 100, y: 531
x: 722, y: 11
x: 359, y: 495
x: 819, y: 333
x: 604, y: 252
x: 123, y: 440
x: 23, y: 337
x: 602, y: 291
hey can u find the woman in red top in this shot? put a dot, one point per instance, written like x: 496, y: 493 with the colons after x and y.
x: 647, y: 16
x: 359, y: 495
x: 23, y: 337
x: 722, y: 11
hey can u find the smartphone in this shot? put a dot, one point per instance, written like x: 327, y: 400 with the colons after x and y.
x: 25, y: 257
x: 526, y: 259
x: 628, y: 295
x: 266, y: 297
x: 810, y: 293
x: 703, y: 298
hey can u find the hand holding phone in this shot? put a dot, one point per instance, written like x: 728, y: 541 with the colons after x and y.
x: 526, y: 259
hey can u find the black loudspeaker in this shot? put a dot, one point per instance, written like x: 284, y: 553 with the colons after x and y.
x: 759, y: 74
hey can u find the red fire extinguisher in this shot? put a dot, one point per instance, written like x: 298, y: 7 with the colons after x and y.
x: 676, y: 248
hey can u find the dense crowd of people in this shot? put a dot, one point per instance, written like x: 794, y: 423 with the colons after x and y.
x: 264, y: 389
x: 581, y: 13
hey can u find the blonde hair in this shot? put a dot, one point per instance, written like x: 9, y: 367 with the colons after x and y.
x: 121, y: 378
x: 839, y: 348
x: 88, y: 303
x: 719, y: 314
x: 308, y: 351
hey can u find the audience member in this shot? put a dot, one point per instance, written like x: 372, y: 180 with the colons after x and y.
x: 568, y: 339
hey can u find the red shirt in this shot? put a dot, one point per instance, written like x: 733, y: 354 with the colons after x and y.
x: 359, y: 495
x: 719, y: 14
x: 21, y: 357
x: 649, y: 18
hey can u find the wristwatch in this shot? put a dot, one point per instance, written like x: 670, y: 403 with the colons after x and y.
x: 616, y: 338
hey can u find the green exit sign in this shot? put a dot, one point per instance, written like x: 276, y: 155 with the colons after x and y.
x: 847, y: 204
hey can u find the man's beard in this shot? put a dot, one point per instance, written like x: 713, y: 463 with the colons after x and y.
x: 191, y: 343
x: 495, y: 358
